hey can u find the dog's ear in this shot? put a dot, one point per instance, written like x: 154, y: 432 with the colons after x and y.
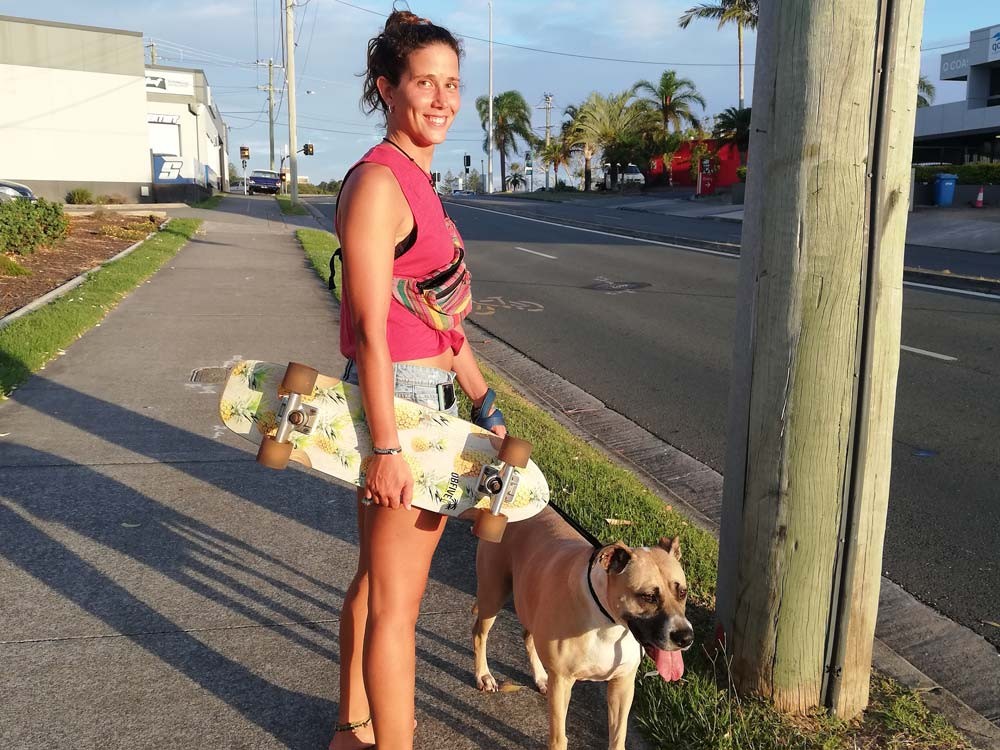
x: 615, y: 558
x: 673, y: 546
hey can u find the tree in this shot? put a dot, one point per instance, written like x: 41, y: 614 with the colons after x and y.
x: 234, y: 175
x: 733, y: 125
x: 743, y: 13
x: 614, y: 123
x: 925, y: 92
x: 450, y: 182
x: 558, y: 152
x: 511, y: 120
x: 474, y: 181
x: 516, y: 178
x: 672, y: 97
x: 581, y: 141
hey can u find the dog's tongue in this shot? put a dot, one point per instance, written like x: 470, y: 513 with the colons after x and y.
x: 670, y: 664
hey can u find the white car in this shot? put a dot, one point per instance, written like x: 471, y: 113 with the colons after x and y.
x: 236, y: 186
x: 633, y: 175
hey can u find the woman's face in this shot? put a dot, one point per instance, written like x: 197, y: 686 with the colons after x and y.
x: 425, y: 102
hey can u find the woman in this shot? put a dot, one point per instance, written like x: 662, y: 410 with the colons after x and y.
x: 392, y: 226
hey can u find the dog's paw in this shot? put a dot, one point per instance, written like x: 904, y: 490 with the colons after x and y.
x: 487, y: 683
x: 542, y: 683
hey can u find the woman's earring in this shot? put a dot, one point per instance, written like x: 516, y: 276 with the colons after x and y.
x: 391, y: 109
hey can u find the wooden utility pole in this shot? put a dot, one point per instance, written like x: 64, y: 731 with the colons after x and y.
x: 817, y: 347
x: 293, y: 143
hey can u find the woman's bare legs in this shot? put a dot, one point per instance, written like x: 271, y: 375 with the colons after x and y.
x: 401, y: 544
x: 353, y: 698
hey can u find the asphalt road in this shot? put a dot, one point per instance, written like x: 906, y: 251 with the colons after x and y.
x: 648, y: 329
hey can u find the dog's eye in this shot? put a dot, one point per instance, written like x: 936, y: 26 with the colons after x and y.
x: 681, y: 592
x: 650, y: 597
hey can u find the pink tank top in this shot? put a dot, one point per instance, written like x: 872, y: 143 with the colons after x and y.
x: 410, y: 338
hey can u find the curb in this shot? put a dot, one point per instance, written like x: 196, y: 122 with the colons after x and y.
x: 918, y: 275
x: 317, y: 216
x: 59, y: 291
x: 696, y: 490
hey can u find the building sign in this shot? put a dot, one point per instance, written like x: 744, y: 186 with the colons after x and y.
x: 993, y: 44
x: 168, y: 170
x: 169, y: 82
x: 955, y: 65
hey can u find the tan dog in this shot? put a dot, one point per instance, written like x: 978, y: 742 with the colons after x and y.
x: 587, y: 614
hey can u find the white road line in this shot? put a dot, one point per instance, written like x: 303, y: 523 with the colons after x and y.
x: 534, y: 252
x: 926, y: 353
x: 731, y: 256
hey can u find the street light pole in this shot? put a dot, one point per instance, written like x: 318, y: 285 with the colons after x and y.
x: 489, y: 171
x: 293, y: 146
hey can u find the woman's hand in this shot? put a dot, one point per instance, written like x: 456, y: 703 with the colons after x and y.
x: 389, y: 481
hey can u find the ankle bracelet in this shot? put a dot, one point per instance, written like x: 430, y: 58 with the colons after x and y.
x: 351, y: 725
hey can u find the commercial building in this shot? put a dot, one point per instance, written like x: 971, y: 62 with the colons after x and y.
x: 80, y: 109
x: 965, y: 131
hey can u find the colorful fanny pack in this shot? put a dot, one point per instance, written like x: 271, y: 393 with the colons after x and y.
x: 442, y: 298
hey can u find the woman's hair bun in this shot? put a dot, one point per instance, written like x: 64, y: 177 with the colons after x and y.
x: 401, y: 18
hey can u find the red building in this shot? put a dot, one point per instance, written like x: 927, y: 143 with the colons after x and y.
x: 728, y: 156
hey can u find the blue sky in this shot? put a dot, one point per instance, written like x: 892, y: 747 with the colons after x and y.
x: 224, y: 37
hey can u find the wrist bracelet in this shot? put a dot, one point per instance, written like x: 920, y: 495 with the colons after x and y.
x: 386, y: 451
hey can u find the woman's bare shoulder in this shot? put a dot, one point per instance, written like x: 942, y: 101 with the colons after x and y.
x: 372, y: 180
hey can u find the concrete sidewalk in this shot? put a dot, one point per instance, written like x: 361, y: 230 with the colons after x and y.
x: 162, y: 590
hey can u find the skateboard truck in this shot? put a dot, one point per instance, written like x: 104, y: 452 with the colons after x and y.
x: 293, y: 416
x: 500, y: 485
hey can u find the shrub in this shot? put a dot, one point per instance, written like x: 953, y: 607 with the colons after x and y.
x: 110, y: 200
x: 10, y: 267
x: 25, y: 226
x: 968, y: 174
x: 741, y: 173
x: 76, y: 196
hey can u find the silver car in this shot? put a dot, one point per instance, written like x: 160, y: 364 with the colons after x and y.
x: 12, y: 191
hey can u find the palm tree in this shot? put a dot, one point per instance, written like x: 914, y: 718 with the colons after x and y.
x: 613, y: 123
x: 672, y: 98
x: 558, y: 152
x: 511, y: 120
x: 733, y: 125
x: 925, y: 92
x: 579, y: 140
x: 741, y: 12
x: 516, y: 178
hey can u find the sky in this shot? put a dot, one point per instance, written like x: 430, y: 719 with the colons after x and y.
x: 225, y: 37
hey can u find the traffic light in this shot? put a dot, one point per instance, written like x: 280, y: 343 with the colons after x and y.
x: 468, y: 163
x: 244, y: 152
x: 308, y: 149
x: 527, y: 158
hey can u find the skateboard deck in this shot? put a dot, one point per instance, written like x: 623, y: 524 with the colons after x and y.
x: 450, y: 458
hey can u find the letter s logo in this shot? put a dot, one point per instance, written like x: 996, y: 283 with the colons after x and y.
x: 171, y: 169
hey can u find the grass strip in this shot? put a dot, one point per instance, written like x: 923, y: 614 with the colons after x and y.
x: 702, y: 711
x: 319, y: 246
x: 288, y: 208
x: 10, y: 267
x: 209, y: 203
x: 34, y: 339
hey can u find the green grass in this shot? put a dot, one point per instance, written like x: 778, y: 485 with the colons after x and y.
x: 32, y: 340
x: 212, y: 202
x: 319, y: 247
x: 701, y: 711
x: 289, y: 208
x: 10, y: 267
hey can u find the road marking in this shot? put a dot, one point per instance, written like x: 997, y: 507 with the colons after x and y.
x: 731, y: 256
x: 535, y: 252
x: 984, y: 295
x: 926, y: 353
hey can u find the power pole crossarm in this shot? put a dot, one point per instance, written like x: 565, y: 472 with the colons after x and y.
x: 815, y: 364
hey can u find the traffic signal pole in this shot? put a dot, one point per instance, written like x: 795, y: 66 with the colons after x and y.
x: 816, y: 358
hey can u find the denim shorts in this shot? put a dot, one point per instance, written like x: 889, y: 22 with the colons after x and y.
x: 416, y: 383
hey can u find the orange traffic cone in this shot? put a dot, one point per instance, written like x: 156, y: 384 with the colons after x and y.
x: 979, y: 198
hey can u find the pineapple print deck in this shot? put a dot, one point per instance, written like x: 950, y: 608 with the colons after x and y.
x: 446, y: 454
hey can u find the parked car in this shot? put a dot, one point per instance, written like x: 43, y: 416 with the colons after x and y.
x: 236, y: 186
x: 263, y: 181
x: 633, y: 175
x: 460, y: 193
x: 11, y: 191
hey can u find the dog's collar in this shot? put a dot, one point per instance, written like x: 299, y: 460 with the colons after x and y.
x: 590, y: 584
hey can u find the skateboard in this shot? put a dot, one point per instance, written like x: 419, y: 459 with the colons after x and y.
x: 295, y: 413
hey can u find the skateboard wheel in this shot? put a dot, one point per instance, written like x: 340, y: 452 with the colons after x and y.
x: 299, y: 379
x: 515, y: 451
x: 274, y: 455
x: 489, y: 527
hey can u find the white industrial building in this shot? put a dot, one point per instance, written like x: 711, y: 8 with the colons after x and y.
x: 79, y: 108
